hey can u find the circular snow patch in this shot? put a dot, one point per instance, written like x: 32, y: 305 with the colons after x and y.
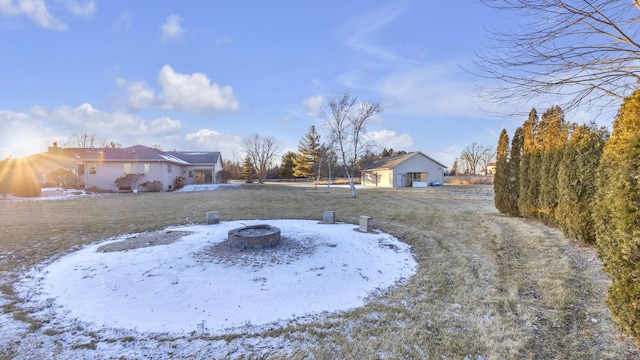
x: 196, y: 283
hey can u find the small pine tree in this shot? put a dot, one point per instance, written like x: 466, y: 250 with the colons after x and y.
x: 617, y: 216
x: 302, y: 166
x: 454, y: 168
x: 288, y: 164
x: 308, y: 154
x: 248, y: 170
x: 501, y: 179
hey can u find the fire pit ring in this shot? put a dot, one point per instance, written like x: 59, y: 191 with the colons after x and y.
x: 254, y: 237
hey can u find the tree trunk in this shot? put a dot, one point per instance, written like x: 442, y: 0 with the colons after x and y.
x: 352, y: 185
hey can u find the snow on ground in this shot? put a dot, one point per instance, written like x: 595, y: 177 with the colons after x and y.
x: 65, y: 194
x: 198, y: 283
x: 209, y: 187
x: 49, y: 194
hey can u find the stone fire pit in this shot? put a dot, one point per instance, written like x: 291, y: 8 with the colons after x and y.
x: 254, y: 237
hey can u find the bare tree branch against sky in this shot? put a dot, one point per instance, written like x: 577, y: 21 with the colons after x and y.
x: 584, y: 52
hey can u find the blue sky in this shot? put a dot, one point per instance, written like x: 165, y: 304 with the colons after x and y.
x: 201, y: 75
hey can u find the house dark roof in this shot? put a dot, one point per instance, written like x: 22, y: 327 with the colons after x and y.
x: 197, y: 157
x: 390, y: 162
x: 132, y: 153
x: 137, y: 153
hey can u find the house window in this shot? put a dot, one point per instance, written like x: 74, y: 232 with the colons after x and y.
x: 190, y: 173
x: 147, y: 167
x: 169, y: 168
x: 127, y: 168
x: 419, y: 176
x: 92, y: 169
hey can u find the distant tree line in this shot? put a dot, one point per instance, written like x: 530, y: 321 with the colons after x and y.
x: 586, y: 182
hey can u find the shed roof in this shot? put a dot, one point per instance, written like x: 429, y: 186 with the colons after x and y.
x: 390, y: 162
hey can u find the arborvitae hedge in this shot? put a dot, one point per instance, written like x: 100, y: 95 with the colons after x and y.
x: 513, y: 186
x: 589, y: 187
x: 527, y: 202
x: 551, y: 138
x: 617, y: 216
x: 501, y: 178
x: 576, y: 185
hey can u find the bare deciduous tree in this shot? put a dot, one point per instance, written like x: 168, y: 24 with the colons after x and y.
x: 584, y: 51
x: 87, y: 140
x: 347, y: 121
x: 488, y: 155
x: 261, y: 151
x: 474, y: 156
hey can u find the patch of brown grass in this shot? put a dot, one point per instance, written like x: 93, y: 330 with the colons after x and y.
x: 469, y: 180
x: 487, y: 285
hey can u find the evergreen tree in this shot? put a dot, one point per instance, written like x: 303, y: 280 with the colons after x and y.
x: 576, y: 186
x: 288, y: 165
x: 617, y: 216
x: 248, y: 170
x: 308, y: 154
x: 551, y: 138
x: 529, y: 174
x: 515, y: 157
x: 454, y: 168
x: 501, y: 179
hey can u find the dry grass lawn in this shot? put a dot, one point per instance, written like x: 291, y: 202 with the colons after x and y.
x: 488, y: 286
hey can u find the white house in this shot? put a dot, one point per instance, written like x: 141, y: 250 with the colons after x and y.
x: 413, y: 169
x: 99, y: 168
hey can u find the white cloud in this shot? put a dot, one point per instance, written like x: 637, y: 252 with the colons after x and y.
x: 390, y: 140
x: 35, y: 10
x: 211, y: 140
x: 123, y: 22
x: 203, y: 136
x: 193, y: 92
x: 363, y: 28
x: 29, y: 133
x: 85, y: 9
x: 140, y: 95
x: 182, y: 92
x: 163, y: 126
x: 312, y: 105
x: 171, y: 29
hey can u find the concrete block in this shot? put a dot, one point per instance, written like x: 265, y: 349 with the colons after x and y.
x: 212, y: 217
x: 366, y: 223
x: 329, y: 217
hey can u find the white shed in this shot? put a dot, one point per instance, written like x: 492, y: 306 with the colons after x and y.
x: 413, y: 169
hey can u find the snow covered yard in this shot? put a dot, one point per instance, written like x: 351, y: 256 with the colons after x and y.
x: 194, y: 284
x: 197, y: 284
